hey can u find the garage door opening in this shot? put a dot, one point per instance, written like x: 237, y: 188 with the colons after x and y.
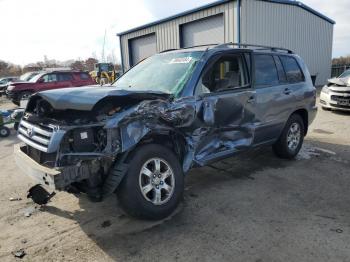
x: 202, y: 32
x: 142, y: 47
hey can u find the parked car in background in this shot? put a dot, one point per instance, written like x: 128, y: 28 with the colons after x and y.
x: 336, y: 94
x: 45, y: 81
x: 4, y: 83
x: 171, y: 112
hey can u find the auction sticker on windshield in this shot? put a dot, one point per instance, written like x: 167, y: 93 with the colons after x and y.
x: 180, y: 60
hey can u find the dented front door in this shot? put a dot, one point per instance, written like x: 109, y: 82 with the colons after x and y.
x: 227, y: 111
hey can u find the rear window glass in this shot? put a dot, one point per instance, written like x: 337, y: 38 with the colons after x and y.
x: 84, y: 76
x: 265, y: 71
x: 293, y: 71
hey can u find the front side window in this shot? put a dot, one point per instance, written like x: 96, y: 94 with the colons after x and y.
x: 265, y: 71
x: 227, y: 73
x: 50, y: 78
x: 167, y: 73
x: 292, y: 69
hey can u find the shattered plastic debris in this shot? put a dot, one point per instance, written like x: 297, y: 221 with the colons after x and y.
x: 19, y: 253
x: 29, y: 211
x: 15, y: 199
x: 39, y: 195
x: 307, y: 151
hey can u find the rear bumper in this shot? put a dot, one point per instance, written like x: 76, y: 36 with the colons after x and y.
x: 44, y: 175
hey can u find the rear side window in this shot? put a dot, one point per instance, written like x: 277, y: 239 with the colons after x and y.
x: 265, y: 71
x: 84, y: 76
x: 292, y: 69
x: 65, y: 77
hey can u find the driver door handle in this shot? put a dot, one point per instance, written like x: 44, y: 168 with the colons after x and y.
x: 251, y: 99
x: 287, y: 91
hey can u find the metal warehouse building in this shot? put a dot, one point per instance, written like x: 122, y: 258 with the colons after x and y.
x: 280, y: 23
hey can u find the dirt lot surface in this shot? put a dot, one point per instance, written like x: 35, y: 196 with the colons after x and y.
x: 254, y: 207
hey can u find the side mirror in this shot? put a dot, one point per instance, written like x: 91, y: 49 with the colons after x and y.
x: 41, y: 80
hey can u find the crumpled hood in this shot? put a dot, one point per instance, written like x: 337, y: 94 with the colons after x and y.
x: 340, y: 81
x: 84, y: 98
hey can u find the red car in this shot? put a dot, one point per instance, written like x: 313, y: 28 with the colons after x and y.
x: 46, y: 81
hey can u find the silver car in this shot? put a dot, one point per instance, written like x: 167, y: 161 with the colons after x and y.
x: 336, y: 94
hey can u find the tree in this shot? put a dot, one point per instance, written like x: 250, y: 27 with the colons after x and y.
x: 90, y: 64
x: 77, y: 65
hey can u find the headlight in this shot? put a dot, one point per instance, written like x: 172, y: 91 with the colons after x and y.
x: 10, y: 88
x: 325, y: 90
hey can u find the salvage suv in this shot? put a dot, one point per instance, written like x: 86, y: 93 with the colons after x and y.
x: 174, y: 111
x: 46, y: 81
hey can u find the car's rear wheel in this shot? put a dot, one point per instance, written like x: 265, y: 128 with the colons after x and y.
x: 4, y: 131
x: 153, y: 185
x: 291, y: 139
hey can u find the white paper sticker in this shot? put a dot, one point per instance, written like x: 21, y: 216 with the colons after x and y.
x: 180, y: 60
x: 84, y: 135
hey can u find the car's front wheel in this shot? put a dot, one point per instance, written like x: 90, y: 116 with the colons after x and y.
x: 153, y: 185
x: 291, y: 139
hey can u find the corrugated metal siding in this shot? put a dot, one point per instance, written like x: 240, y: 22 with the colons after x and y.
x: 291, y: 27
x: 168, y: 35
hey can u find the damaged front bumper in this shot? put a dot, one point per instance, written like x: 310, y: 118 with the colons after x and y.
x: 54, y: 178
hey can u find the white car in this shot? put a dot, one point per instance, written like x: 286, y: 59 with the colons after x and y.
x: 336, y: 94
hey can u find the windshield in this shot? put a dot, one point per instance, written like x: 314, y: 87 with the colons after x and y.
x: 35, y: 77
x: 27, y: 76
x: 166, y: 73
x: 345, y: 74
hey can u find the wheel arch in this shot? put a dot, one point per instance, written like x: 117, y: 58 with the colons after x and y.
x: 302, y: 112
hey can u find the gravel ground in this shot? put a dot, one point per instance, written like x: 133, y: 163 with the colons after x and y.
x: 254, y: 207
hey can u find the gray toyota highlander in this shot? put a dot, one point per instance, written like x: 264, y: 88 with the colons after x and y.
x: 174, y: 111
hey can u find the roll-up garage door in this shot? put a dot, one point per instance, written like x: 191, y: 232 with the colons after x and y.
x: 141, y: 48
x: 205, y: 31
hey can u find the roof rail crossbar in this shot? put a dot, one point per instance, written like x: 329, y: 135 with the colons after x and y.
x: 244, y: 45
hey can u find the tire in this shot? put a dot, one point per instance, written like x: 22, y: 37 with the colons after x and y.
x: 293, y: 131
x: 4, y: 131
x: 148, y: 206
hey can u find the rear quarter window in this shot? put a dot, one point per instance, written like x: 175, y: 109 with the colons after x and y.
x: 265, y: 71
x: 292, y: 69
x: 84, y: 76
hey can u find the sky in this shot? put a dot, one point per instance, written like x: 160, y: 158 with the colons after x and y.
x: 74, y: 29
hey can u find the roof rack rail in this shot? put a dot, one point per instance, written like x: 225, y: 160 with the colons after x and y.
x: 189, y: 47
x: 244, y: 45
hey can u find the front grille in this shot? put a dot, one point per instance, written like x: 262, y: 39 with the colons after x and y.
x: 36, y: 136
x: 344, y: 99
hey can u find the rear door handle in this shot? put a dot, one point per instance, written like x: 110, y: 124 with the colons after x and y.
x: 287, y: 91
